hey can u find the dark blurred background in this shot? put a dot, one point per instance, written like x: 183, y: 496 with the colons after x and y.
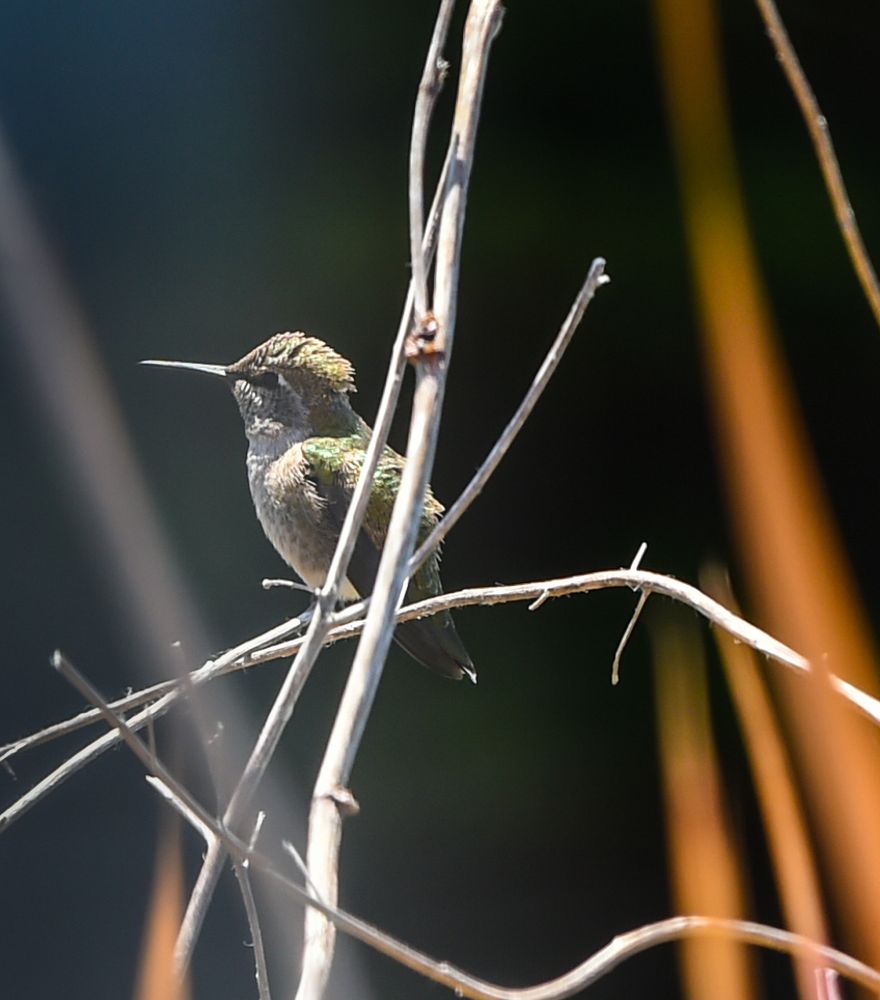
x: 210, y: 173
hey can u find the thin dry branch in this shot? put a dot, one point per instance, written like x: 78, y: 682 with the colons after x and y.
x: 148, y: 757
x: 431, y: 356
x: 820, y: 135
x: 429, y: 87
x: 596, y: 277
x: 222, y: 664
x: 242, y: 874
x: 602, y: 962
x: 599, y: 964
x: 657, y: 583
x: 316, y: 637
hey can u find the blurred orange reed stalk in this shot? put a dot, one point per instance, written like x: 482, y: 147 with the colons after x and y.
x: 158, y: 978
x: 797, y: 573
x: 705, y: 869
x: 788, y: 839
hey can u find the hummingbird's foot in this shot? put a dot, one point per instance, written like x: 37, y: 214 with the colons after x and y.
x: 271, y: 582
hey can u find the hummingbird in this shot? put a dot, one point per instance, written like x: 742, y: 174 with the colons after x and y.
x: 306, y: 448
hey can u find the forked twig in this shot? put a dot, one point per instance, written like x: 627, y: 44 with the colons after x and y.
x: 637, y: 613
x: 316, y: 637
x: 242, y: 874
x: 430, y: 356
x: 596, y: 277
x: 667, y: 586
x: 202, y: 822
x: 599, y: 964
x: 602, y: 962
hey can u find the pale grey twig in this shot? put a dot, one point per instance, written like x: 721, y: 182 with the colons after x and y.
x: 261, y: 968
x: 656, y: 583
x: 621, y: 948
x: 157, y: 769
x: 239, y: 802
x: 598, y: 965
x: 316, y: 637
x: 173, y: 691
x: 193, y: 817
x: 429, y: 87
x: 820, y: 135
x: 628, y: 631
x: 300, y: 863
x: 224, y: 663
x: 431, y: 359
x: 596, y: 277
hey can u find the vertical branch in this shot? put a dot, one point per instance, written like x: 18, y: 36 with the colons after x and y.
x: 321, y: 622
x: 483, y: 22
x: 429, y: 87
x: 331, y: 799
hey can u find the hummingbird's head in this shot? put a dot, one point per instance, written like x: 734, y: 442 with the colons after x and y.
x: 292, y: 385
x: 289, y: 388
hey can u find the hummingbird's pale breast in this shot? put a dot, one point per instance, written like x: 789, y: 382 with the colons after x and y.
x: 292, y: 514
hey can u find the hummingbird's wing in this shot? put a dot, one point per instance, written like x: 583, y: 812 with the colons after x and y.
x: 334, y: 469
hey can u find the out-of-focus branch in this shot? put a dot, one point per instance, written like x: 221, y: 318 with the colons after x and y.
x: 820, y: 135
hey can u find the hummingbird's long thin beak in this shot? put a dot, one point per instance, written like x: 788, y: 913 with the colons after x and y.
x: 192, y: 366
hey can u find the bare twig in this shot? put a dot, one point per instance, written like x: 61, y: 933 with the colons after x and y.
x: 602, y: 962
x: 655, y: 583
x: 261, y: 969
x: 222, y: 664
x: 160, y: 773
x: 596, y: 277
x: 330, y: 798
x: 820, y: 135
x: 173, y: 691
x: 429, y: 88
x: 319, y: 626
x: 628, y: 631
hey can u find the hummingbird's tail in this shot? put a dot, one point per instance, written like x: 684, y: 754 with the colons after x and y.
x: 435, y: 643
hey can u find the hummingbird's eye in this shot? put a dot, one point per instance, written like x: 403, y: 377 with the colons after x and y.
x: 265, y: 380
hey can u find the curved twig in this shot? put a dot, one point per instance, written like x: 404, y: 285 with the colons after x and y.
x: 621, y: 948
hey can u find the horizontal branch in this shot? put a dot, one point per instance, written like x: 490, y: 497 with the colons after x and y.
x: 349, y: 625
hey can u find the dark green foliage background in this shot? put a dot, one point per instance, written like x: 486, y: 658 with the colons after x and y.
x: 210, y: 173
